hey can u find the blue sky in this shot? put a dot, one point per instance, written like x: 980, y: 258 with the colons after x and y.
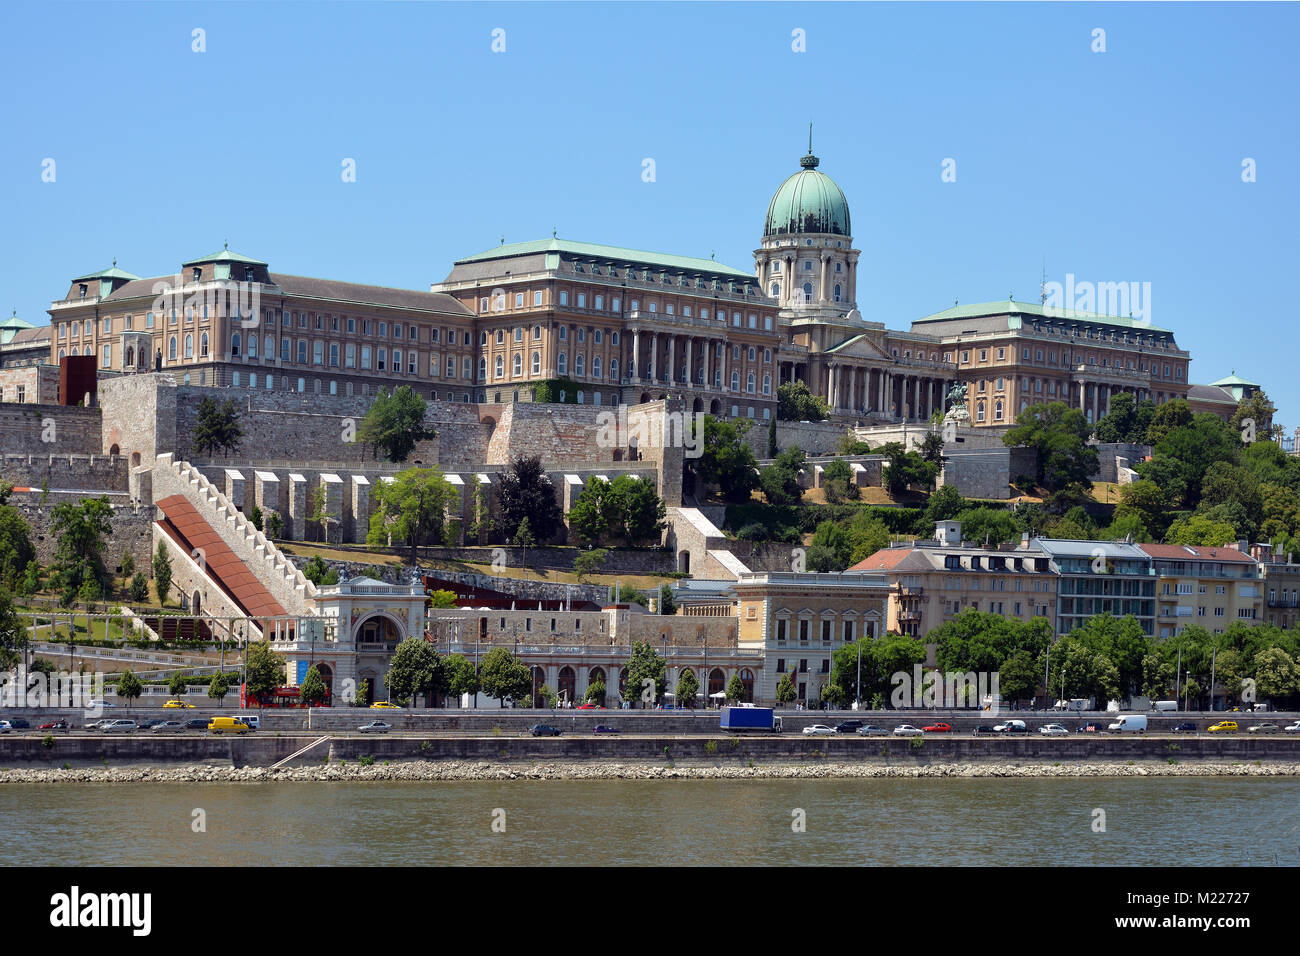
x: 1117, y: 166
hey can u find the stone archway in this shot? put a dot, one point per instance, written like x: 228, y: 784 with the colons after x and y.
x: 378, y: 629
x: 115, y: 450
x: 684, y: 562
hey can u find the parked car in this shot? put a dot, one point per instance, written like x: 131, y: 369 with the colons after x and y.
x: 5, y: 726
x: 375, y: 727
x: 1264, y: 729
x: 177, y: 704
x: 868, y: 730
x: 1095, y: 727
x: 819, y: 730
x: 1292, y: 728
x: 940, y: 727
x: 907, y: 730
x: 55, y: 725
x: 384, y: 705
x: 603, y: 729
x: 1011, y: 727
x: 1224, y: 727
x: 19, y: 723
x: 196, y: 723
x: 1053, y: 730
x: 1183, y: 727
x: 253, y: 720
x: 117, y: 726
x: 91, y: 705
x: 984, y: 729
x: 151, y: 723
x: 589, y: 707
x: 848, y: 726
x: 543, y: 730
x: 167, y: 727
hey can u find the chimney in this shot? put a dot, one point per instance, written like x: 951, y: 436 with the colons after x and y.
x: 1024, y: 541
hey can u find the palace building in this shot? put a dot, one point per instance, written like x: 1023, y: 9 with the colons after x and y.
x: 618, y: 325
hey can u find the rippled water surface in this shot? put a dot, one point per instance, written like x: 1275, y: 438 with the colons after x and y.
x: 1041, y: 822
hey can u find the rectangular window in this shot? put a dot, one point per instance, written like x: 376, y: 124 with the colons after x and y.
x: 365, y: 356
x: 537, y: 298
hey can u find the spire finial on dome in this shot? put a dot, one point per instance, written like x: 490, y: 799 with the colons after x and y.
x: 810, y: 161
x: 225, y: 244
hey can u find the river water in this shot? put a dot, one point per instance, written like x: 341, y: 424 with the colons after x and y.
x: 1039, y: 821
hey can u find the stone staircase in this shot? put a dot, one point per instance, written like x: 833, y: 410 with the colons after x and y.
x: 267, y: 563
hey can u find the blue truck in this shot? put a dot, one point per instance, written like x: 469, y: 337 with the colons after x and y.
x: 750, y: 718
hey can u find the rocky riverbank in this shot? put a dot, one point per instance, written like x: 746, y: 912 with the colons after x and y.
x: 421, y: 770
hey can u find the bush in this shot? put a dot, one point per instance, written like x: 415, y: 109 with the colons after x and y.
x: 139, y: 588
x: 48, y: 741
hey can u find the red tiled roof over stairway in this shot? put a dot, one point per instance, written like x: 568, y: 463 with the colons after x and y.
x: 184, y: 525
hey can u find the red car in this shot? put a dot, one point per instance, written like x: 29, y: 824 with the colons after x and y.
x: 939, y: 728
x: 56, y: 725
x: 589, y: 707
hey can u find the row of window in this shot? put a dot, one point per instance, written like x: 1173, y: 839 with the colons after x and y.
x: 1132, y: 365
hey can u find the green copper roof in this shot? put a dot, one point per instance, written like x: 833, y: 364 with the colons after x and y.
x: 1013, y: 309
x: 111, y: 273
x: 13, y: 322
x: 1234, y: 379
x: 808, y: 201
x: 225, y: 255
x: 617, y: 254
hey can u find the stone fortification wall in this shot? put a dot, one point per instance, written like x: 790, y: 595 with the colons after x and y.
x: 96, y: 473
x: 1109, y: 454
x: 986, y: 473
x: 132, y: 531
x: 32, y: 429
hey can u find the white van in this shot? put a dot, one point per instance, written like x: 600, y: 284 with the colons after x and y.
x: 253, y: 720
x: 1164, y: 705
x: 1130, y: 723
x: 116, y: 726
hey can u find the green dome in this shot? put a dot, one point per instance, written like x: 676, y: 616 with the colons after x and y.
x: 808, y: 201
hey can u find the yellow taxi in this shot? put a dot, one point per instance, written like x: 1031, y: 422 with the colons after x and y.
x: 177, y: 705
x: 1224, y: 727
x: 228, y: 725
x: 384, y: 705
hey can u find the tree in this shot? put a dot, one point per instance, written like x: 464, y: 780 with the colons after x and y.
x: 780, y: 480
x: 461, y: 677
x: 394, y: 424
x: 995, y: 525
x: 726, y: 460
x: 931, y: 450
x: 646, y: 674
x: 904, y: 468
x: 1200, y: 530
x: 688, y: 686
x: 162, y: 573
x: 945, y: 504
x: 1127, y: 421
x: 587, y: 563
x: 362, y: 694
x: 503, y: 677
x: 667, y: 605
x: 79, y: 555
x: 13, y: 632
x: 274, y: 524
x: 319, y: 573
x: 627, y: 594
x: 16, y: 550
x: 312, y: 690
x: 639, y: 511
x: 1059, y: 435
x: 595, y: 693
x: 265, y: 671
x: 836, y: 542
x: 785, y: 690
x: 772, y: 447
x: 526, y: 491
x: 867, y: 535
x: 1254, y: 417
x: 481, y: 523
x: 1277, y: 676
x: 217, y: 427
x: 442, y: 599
x: 593, y: 512
x: 411, y: 508
x: 129, y: 687
x: 735, y: 688
x: 318, y: 508
x: 524, y: 539
x: 796, y: 403
x: 256, y: 517
x: 178, y: 685
x: 415, y: 668
x: 837, y: 482
x: 218, y: 687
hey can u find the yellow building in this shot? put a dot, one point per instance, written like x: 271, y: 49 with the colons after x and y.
x: 1210, y: 587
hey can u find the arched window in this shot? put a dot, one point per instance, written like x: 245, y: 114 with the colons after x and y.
x: 252, y: 345
x: 735, y: 381
x: 580, y: 397
x: 979, y: 413
x: 500, y: 366
x: 749, y: 383
x: 767, y: 384
x: 517, y: 366
x: 595, y: 366
x: 776, y: 290
x: 807, y: 291
x: 837, y: 291
x: 562, y: 365
x: 482, y: 367
x: 997, y: 410
x: 302, y: 385
x: 753, y: 355
x: 234, y: 345
x: 61, y: 355
x: 171, y: 348
x: 189, y: 346
x: 235, y: 380
x: 579, y: 364
x: 536, y: 364
x: 613, y: 369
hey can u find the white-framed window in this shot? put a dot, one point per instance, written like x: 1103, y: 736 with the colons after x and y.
x: 595, y: 366
x: 562, y: 363
x: 537, y: 298
x: 537, y: 363
x: 350, y: 356
x: 499, y: 367
x: 517, y: 365
x: 579, y: 364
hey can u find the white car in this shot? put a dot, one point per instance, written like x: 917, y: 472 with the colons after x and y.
x: 5, y: 726
x: 819, y: 730
x: 375, y: 727
x: 95, y: 704
x: 117, y: 727
x: 168, y: 727
x: 1053, y: 730
x: 907, y: 730
x: 1292, y: 728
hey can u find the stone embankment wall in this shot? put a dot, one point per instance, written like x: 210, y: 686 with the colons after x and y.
x: 132, y: 530
x: 107, y: 473
x: 31, y: 429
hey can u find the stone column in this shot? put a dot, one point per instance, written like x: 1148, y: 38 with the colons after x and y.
x: 333, y: 486
x: 690, y: 376
x: 295, y: 525
x: 360, y: 508
x: 636, y: 356
x: 671, y: 365
x: 822, y: 295
x: 266, y: 492
x: 235, y: 488
x: 654, y: 355
x: 830, y: 386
